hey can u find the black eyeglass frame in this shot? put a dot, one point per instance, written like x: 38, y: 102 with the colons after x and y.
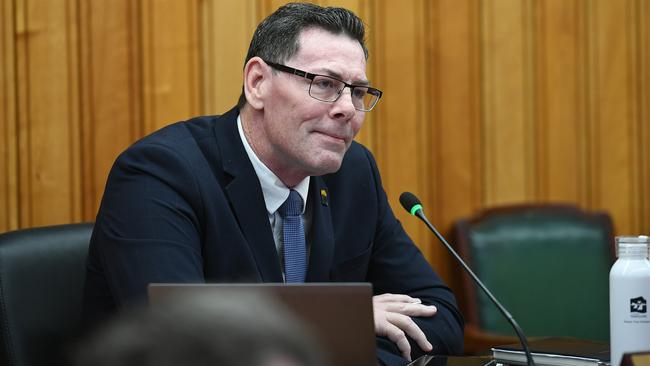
x: 307, y: 75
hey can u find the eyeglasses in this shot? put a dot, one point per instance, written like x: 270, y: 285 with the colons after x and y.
x: 329, y: 89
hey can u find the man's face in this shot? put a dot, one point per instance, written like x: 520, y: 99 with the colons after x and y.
x: 306, y: 136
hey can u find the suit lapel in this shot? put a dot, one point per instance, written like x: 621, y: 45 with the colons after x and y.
x: 247, y: 199
x: 322, y: 233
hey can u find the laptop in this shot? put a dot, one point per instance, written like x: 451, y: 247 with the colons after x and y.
x: 338, y: 314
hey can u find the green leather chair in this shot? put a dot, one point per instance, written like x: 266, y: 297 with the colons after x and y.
x: 547, y: 264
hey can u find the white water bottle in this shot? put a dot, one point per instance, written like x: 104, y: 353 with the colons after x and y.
x: 629, y: 294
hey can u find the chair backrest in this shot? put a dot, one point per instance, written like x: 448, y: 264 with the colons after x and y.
x: 42, y: 274
x: 547, y: 264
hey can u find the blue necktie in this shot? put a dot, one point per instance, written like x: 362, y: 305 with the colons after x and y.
x: 295, y: 249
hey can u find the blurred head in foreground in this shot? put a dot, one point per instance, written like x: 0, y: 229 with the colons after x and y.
x: 201, y: 331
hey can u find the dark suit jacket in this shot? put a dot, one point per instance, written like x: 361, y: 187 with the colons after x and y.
x: 185, y: 205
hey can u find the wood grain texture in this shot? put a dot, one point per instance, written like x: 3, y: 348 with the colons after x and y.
x: 8, y: 120
x: 48, y: 113
x: 403, y: 120
x: 111, y: 89
x: 170, y: 61
x: 227, y: 30
x: 506, y: 98
x: 611, y: 122
x: 560, y: 119
x: 455, y: 140
x: 643, y: 85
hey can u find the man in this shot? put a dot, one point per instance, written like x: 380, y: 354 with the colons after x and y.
x: 208, y: 199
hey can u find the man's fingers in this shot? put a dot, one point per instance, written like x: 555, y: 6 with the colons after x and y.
x: 398, y: 337
x: 393, y: 314
x: 398, y: 298
x: 408, y: 326
x: 411, y: 309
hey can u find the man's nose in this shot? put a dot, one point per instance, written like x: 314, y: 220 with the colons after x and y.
x: 345, y: 103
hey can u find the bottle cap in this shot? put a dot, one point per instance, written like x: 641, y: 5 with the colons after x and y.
x: 632, y: 245
x: 641, y: 239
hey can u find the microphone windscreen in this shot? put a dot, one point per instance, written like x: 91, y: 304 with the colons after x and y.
x: 408, y: 200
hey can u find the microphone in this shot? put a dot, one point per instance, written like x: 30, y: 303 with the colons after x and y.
x: 412, y: 204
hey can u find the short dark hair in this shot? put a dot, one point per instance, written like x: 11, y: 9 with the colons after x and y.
x: 198, y: 330
x: 276, y: 37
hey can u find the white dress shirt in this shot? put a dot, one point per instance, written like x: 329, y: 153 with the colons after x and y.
x: 275, y: 193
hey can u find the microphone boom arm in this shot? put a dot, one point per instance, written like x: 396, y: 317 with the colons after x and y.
x: 417, y: 211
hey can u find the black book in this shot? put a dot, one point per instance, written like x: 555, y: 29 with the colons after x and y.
x: 556, y: 351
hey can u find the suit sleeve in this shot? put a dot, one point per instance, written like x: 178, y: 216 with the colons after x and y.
x: 148, y: 229
x: 397, y: 266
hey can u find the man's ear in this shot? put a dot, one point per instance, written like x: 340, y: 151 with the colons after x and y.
x: 256, y: 82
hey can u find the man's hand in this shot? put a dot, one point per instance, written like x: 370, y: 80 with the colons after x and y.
x: 393, y: 320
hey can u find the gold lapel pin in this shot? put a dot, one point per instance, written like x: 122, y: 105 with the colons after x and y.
x: 323, y: 197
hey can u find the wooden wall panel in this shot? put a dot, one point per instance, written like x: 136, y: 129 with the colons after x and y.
x: 227, y: 30
x: 111, y: 90
x: 455, y: 140
x: 613, y: 158
x: 170, y: 61
x: 48, y: 124
x: 74, y: 96
x: 401, y: 122
x: 8, y: 115
x: 507, y: 129
x: 643, y: 85
x: 560, y: 129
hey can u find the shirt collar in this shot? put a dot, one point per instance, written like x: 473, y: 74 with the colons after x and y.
x: 274, y: 191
